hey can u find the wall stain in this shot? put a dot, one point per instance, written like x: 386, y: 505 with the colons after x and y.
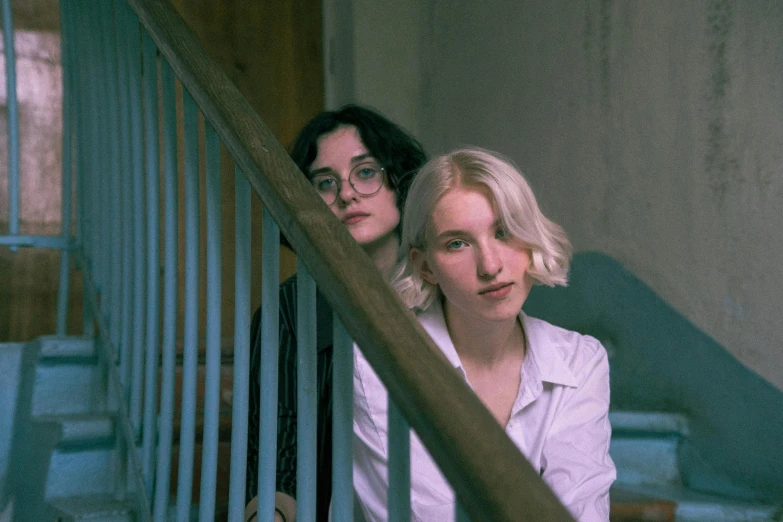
x: 721, y: 164
x: 607, y: 132
x: 603, y: 46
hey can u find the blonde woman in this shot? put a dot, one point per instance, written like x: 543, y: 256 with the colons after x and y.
x: 473, y: 243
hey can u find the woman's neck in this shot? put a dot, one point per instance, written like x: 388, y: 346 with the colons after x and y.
x: 384, y: 253
x: 484, y: 343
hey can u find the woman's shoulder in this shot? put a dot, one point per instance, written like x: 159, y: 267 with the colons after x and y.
x: 576, y: 349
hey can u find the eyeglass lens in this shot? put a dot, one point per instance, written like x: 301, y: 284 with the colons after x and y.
x: 365, y: 178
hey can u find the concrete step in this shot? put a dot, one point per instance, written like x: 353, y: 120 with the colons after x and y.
x: 68, y: 386
x: 83, y: 429
x: 94, y: 508
x: 77, y: 471
x: 692, y: 506
x: 65, y: 347
x: 645, y: 447
x: 636, y: 422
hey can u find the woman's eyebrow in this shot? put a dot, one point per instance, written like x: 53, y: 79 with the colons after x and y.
x: 449, y: 233
x: 326, y: 170
x: 362, y: 157
x: 322, y: 170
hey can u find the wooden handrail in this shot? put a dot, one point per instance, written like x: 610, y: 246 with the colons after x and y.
x: 490, y: 476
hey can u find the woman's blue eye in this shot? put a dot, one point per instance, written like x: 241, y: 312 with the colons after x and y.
x: 501, y: 233
x: 324, y: 184
x: 368, y: 172
x: 455, y: 244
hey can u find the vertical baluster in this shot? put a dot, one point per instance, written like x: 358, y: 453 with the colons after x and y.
x: 399, y: 466
x: 77, y: 75
x: 127, y: 208
x: 139, y: 215
x: 13, y: 120
x: 89, y: 152
x: 150, y: 71
x: 342, y: 423
x: 209, y: 452
x: 190, y: 361
x: 171, y: 225
x: 307, y: 396
x: 93, y: 196
x: 126, y: 203
x: 460, y: 514
x: 270, y: 313
x: 92, y: 163
x: 101, y: 262
x: 114, y: 173
x: 67, y: 66
x: 239, y: 419
x: 86, y: 172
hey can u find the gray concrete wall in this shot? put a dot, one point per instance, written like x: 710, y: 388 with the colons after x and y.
x: 653, y: 131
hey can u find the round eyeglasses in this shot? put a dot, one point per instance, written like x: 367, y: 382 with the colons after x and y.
x: 365, y: 178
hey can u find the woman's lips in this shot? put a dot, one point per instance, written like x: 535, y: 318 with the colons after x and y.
x: 351, y: 219
x: 497, y: 291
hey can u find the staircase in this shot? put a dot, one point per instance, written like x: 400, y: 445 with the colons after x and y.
x: 646, y: 448
x: 61, y: 462
x: 63, y: 455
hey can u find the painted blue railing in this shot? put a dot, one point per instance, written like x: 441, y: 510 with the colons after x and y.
x: 123, y: 65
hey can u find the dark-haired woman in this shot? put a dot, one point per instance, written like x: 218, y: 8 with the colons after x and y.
x: 361, y: 164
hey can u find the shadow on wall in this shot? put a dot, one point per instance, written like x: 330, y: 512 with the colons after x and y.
x: 661, y: 362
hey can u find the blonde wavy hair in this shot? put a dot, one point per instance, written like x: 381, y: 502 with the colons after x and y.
x: 514, y: 202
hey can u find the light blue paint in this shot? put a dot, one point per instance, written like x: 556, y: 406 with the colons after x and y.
x: 190, y: 349
x: 209, y: 454
x: 171, y: 234
x: 67, y: 183
x: 399, y: 466
x: 126, y: 202
x: 133, y: 43
x: 460, y: 514
x: 662, y: 363
x: 103, y: 508
x: 270, y: 316
x: 10, y: 380
x: 646, y: 459
x: 115, y: 170
x: 240, y: 397
x: 13, y: 120
x: 37, y: 242
x: 635, y: 422
x: 101, y: 263
x: 342, y: 423
x: 307, y: 395
x: 152, y: 150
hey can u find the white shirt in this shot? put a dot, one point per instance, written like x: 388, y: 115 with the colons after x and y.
x: 559, y: 421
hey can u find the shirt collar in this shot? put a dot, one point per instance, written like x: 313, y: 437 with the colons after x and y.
x: 545, y: 353
x: 543, y: 361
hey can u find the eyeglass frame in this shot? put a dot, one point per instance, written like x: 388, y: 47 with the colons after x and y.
x: 340, y: 181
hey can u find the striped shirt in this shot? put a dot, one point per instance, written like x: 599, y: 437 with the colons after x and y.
x: 287, y: 400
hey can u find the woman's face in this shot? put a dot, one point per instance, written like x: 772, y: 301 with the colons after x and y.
x: 481, y: 270
x: 372, y: 220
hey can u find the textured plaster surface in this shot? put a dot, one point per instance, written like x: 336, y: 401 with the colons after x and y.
x: 653, y: 131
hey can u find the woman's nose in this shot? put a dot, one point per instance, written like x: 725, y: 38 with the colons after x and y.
x: 345, y: 191
x: 490, y: 263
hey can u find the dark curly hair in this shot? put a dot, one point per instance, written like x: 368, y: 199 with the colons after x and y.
x: 399, y: 152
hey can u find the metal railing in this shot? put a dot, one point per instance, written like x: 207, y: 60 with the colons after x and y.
x: 122, y: 64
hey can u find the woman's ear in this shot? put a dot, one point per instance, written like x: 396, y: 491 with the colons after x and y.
x: 422, y: 267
